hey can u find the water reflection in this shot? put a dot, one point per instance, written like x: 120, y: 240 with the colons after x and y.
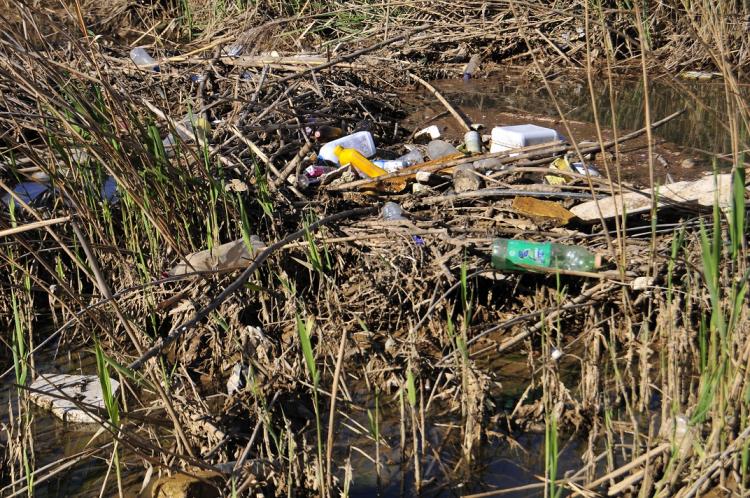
x: 701, y: 126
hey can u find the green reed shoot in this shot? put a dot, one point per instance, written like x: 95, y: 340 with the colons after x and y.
x: 110, y: 404
x: 262, y: 190
x: 320, y: 260
x: 304, y: 330
x: 374, y: 419
x: 20, y: 364
x: 722, y: 317
x: 551, y: 454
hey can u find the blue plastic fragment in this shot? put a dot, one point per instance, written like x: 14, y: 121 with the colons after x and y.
x: 109, y: 190
x: 27, y: 191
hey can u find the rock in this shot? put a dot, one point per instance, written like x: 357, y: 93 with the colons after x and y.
x: 688, y: 163
x: 184, y: 486
x: 85, y: 389
x: 642, y: 283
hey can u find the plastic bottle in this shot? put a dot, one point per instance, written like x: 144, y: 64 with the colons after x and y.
x: 471, y: 67
x: 440, y: 148
x: 325, y: 132
x: 360, y: 162
x: 473, y: 141
x: 199, y: 125
x: 392, y: 211
x: 391, y: 165
x: 361, y: 141
x: 508, y: 254
x: 140, y: 58
x: 412, y: 157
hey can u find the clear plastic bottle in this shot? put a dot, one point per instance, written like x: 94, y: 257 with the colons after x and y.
x: 392, y: 211
x: 473, y: 141
x: 412, y: 157
x: 471, y: 67
x: 508, y: 254
x: 142, y: 59
x: 440, y: 148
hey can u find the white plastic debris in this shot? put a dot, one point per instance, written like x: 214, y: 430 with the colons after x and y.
x: 703, y: 191
x: 233, y: 254
x: 143, y: 60
x: 236, y: 379
x: 55, y: 392
x: 642, y: 283
x: 432, y: 131
x: 515, y: 137
x: 556, y: 354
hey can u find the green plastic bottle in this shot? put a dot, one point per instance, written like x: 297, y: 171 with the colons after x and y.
x: 507, y: 254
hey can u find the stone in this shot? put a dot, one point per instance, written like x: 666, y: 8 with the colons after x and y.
x: 642, y: 283
x: 688, y: 163
x: 85, y: 389
x: 185, y: 486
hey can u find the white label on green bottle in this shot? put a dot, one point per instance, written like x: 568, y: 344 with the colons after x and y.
x: 521, y: 252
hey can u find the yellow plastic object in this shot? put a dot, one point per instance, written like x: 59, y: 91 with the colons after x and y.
x: 562, y: 164
x: 546, y: 211
x: 360, y: 162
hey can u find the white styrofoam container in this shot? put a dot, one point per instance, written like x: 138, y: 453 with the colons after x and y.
x: 515, y: 137
x: 362, y: 141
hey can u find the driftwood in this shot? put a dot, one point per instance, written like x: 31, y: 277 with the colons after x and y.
x: 702, y: 191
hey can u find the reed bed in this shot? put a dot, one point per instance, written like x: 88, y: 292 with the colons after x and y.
x: 361, y: 350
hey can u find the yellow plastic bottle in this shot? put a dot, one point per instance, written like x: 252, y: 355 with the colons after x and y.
x: 360, y: 162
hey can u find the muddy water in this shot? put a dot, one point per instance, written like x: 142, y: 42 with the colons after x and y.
x: 509, y: 101
x: 500, y: 464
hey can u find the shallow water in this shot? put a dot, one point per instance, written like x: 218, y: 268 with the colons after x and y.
x: 509, y: 101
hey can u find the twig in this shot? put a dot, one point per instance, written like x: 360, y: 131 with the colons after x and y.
x: 459, y: 118
x: 630, y: 465
x: 352, y: 55
x: 33, y: 226
x: 292, y: 165
x: 498, y: 192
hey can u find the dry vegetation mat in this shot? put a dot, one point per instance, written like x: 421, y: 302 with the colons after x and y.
x: 260, y: 327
